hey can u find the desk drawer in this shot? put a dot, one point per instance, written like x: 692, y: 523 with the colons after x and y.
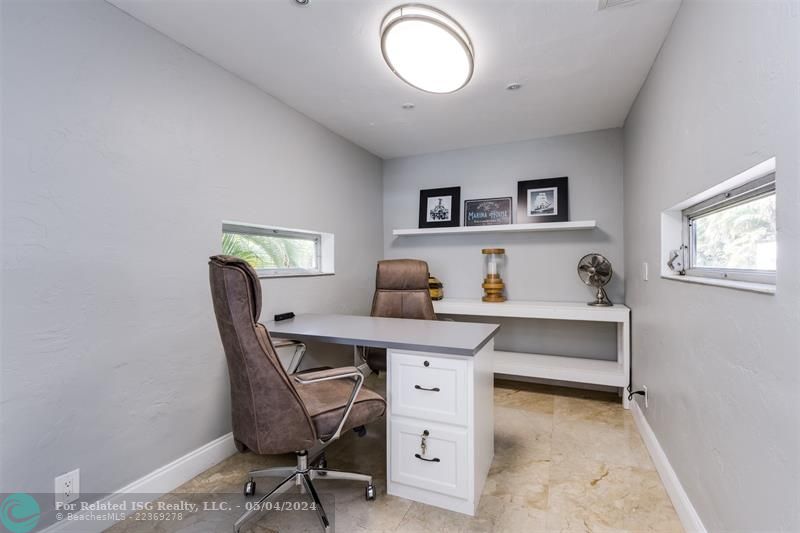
x: 430, y: 388
x: 443, y: 467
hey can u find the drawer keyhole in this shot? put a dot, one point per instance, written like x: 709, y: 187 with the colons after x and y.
x: 423, y: 446
x: 426, y: 363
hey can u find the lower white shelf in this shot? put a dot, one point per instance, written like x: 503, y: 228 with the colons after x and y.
x: 556, y: 367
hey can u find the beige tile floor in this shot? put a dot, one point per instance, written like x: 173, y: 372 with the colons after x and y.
x: 565, y: 460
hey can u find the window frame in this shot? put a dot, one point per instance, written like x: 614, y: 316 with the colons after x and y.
x: 323, y: 247
x: 753, y: 190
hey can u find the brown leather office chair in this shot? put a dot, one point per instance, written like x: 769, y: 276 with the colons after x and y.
x: 275, y: 412
x: 401, y: 291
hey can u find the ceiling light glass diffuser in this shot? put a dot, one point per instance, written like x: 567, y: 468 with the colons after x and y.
x: 426, y: 48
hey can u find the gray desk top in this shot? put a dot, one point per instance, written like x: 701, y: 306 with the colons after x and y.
x: 455, y: 338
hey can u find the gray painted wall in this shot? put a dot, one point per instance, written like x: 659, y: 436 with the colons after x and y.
x: 123, y: 153
x: 540, y: 266
x: 722, y: 367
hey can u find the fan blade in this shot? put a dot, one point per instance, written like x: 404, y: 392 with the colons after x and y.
x: 595, y: 260
x: 585, y: 268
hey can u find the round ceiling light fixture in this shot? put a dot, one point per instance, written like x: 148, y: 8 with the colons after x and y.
x: 426, y: 48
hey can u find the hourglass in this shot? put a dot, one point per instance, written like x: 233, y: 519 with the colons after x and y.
x: 493, y: 285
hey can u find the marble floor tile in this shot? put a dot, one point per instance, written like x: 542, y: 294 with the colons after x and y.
x: 524, y: 399
x: 566, y: 460
x: 594, y: 496
x: 597, y: 431
x: 517, y: 519
x: 589, y: 410
x: 520, y: 437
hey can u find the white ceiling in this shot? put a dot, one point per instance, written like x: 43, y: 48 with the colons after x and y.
x: 580, y: 68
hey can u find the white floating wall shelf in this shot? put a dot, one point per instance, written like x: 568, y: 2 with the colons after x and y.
x: 505, y: 228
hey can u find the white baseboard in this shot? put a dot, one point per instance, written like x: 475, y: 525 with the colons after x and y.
x: 158, y: 482
x: 680, y: 500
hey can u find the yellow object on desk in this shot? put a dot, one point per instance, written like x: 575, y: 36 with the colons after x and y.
x: 436, y: 288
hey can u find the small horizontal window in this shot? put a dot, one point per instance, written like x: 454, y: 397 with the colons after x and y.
x: 277, y: 252
x: 733, y: 234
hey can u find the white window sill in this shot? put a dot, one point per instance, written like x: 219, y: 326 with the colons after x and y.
x: 763, y: 288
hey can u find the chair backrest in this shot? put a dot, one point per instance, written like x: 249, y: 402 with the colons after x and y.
x: 401, y: 290
x: 268, y: 414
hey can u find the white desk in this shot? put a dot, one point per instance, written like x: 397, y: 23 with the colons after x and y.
x: 439, y: 381
x: 577, y: 369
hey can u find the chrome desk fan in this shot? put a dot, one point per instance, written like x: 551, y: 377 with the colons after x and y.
x: 595, y: 271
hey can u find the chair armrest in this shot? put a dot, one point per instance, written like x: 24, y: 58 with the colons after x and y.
x: 345, y: 372
x: 327, y: 374
x: 297, y: 357
x: 280, y: 343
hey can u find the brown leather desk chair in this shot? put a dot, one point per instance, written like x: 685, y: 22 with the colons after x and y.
x: 275, y: 412
x: 401, y: 291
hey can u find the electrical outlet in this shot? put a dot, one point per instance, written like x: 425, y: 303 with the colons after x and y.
x: 67, y: 488
x: 644, y: 388
x: 645, y: 269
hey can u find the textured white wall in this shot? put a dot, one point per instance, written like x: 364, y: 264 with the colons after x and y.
x: 540, y: 266
x: 123, y: 153
x: 722, y: 367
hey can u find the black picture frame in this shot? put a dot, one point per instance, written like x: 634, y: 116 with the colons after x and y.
x: 543, y: 200
x: 488, y: 211
x: 440, y: 208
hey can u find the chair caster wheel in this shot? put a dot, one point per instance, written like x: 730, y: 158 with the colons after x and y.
x: 360, y: 431
x: 250, y: 488
x: 369, y: 493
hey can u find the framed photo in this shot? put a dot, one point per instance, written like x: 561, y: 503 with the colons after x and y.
x: 440, y: 208
x: 487, y: 211
x: 545, y: 200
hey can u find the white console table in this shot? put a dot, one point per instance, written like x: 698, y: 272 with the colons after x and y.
x: 575, y: 369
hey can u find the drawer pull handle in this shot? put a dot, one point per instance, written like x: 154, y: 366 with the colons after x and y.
x: 434, y: 460
x: 434, y: 389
